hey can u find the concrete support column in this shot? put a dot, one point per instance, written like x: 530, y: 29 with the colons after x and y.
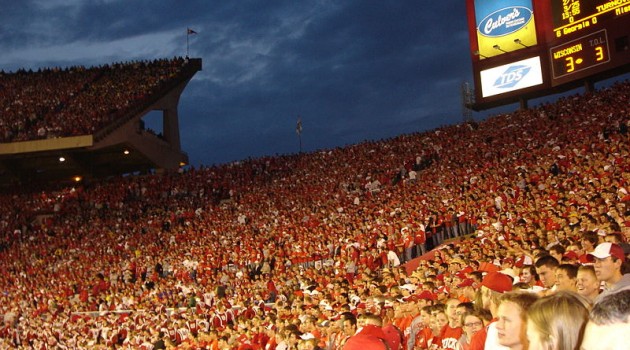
x: 170, y: 125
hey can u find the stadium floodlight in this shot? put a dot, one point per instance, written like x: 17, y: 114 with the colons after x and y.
x: 62, y: 159
x: 497, y: 47
x: 518, y: 41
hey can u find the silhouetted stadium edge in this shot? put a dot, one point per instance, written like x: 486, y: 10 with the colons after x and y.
x: 62, y: 140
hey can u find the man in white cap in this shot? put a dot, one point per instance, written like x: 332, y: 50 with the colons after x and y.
x: 608, y: 259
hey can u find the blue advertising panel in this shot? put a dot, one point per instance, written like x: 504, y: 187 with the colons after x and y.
x: 504, y: 26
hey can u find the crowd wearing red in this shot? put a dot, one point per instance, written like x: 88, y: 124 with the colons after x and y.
x: 279, y: 252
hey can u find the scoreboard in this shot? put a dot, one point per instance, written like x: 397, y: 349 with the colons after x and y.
x: 570, y: 16
x: 580, y: 54
x: 553, y: 45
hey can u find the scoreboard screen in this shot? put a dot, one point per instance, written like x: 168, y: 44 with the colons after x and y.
x: 570, y: 16
x: 553, y: 45
x: 589, y: 37
x: 580, y: 54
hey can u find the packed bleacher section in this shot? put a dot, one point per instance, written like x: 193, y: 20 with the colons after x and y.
x: 280, y: 250
x: 55, y: 102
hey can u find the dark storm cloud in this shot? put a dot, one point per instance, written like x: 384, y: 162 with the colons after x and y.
x: 353, y: 70
x: 355, y: 73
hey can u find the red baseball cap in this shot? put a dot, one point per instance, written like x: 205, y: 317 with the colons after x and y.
x: 466, y: 283
x: 497, y: 282
x: 426, y: 295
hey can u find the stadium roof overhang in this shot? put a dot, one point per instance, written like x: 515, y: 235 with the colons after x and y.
x: 71, y: 164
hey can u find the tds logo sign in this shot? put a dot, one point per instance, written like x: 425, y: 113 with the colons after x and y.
x: 512, y: 76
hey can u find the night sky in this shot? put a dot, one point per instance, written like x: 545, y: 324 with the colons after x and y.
x: 353, y: 70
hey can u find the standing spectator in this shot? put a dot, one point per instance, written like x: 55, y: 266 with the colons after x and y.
x: 556, y: 322
x: 420, y: 239
x: 370, y: 336
x: 546, y: 270
x: 529, y: 276
x: 587, y: 284
x: 609, y: 259
x: 473, y: 323
x: 557, y: 251
x: 589, y: 241
x: 409, y: 240
x: 392, y: 258
x: 493, y: 286
x: 452, y: 331
x: 617, y: 237
x: 512, y: 319
x: 348, y: 329
x: 608, y: 323
x: 566, y: 275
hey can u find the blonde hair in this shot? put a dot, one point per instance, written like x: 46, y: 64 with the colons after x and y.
x: 559, y: 319
x: 522, y: 299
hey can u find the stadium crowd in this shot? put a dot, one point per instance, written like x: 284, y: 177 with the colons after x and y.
x: 318, y: 251
x: 55, y: 102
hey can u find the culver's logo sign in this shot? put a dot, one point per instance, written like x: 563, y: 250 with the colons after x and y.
x: 512, y: 76
x: 505, y: 21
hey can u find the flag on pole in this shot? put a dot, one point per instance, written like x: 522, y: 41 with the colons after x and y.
x: 298, y: 127
x: 189, y: 32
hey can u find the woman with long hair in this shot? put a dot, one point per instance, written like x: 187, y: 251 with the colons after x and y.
x: 557, y: 322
